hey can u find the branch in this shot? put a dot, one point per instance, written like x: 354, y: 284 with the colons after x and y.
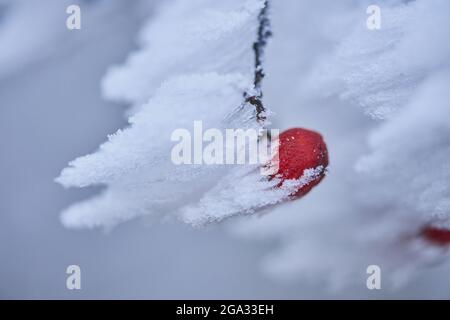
x: 255, y: 96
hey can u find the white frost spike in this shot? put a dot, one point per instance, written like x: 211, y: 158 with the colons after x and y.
x: 193, y: 36
x: 146, y: 145
x: 196, y: 70
x: 135, y: 163
x: 244, y: 191
x: 379, y: 70
x: 410, y: 154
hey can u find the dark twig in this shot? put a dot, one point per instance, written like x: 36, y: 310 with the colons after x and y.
x: 255, y: 96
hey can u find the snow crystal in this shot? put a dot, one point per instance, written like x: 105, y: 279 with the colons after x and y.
x: 410, y: 153
x: 244, y: 191
x: 135, y: 163
x: 379, y: 70
x: 198, y: 36
x: 196, y: 63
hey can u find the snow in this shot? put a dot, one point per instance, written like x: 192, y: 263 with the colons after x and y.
x: 198, y: 36
x: 135, y: 162
x: 244, y: 191
x: 411, y: 152
x: 379, y: 70
x: 380, y: 98
x: 388, y: 176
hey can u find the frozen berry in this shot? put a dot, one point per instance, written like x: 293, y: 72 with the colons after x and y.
x: 436, y: 236
x: 299, y: 150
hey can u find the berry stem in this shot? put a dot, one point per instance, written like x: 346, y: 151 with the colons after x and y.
x: 255, y: 97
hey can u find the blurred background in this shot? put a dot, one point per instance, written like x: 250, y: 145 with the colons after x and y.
x: 52, y: 110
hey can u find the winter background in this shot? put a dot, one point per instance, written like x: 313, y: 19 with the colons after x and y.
x: 380, y: 99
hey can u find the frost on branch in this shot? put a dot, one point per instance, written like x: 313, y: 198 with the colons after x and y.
x: 229, y: 198
x: 411, y: 152
x: 198, y: 36
x: 196, y: 63
x: 388, y: 177
x: 379, y: 70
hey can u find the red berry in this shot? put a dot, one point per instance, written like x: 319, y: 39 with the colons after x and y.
x: 299, y: 150
x: 436, y: 236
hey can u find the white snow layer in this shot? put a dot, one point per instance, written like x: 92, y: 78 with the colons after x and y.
x: 195, y: 64
x: 198, y: 36
x: 380, y: 70
x: 389, y: 171
x: 387, y: 178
